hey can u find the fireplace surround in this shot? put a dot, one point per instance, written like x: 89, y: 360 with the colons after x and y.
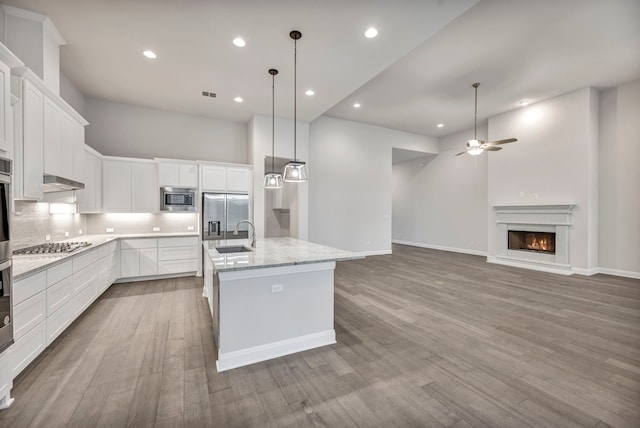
x: 517, y: 225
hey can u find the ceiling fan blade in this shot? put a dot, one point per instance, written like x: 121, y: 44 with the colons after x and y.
x: 508, y: 140
x: 461, y: 153
x: 492, y: 149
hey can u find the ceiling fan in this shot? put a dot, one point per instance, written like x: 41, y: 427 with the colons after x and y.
x: 475, y: 146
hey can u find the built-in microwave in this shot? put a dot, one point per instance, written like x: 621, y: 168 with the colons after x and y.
x: 178, y: 199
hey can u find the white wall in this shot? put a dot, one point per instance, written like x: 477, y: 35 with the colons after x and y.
x: 443, y: 204
x: 350, y: 182
x: 259, y: 147
x: 553, y: 162
x: 619, y: 221
x: 71, y: 94
x: 127, y: 130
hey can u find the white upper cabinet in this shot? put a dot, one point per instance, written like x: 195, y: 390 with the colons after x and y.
x: 177, y: 174
x: 5, y: 107
x: 129, y: 186
x: 32, y: 141
x: 90, y: 198
x: 219, y: 178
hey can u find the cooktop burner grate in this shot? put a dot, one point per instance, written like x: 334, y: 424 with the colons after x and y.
x: 52, y: 248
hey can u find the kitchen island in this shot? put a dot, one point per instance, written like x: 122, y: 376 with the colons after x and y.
x: 274, y: 300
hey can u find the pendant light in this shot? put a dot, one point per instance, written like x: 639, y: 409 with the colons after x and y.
x: 273, y: 179
x: 295, y: 171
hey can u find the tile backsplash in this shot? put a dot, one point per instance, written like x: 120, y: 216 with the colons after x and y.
x: 31, y: 222
x: 97, y: 224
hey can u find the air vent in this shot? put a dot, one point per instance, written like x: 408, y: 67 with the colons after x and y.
x: 208, y: 94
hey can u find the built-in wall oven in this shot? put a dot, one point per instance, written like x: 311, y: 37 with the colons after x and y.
x: 6, y: 311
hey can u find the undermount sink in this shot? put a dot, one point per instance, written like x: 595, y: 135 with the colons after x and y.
x: 233, y: 249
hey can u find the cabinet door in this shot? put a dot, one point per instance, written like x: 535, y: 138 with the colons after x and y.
x: 116, y: 190
x: 238, y: 179
x: 78, y: 150
x: 214, y: 178
x: 90, y: 198
x: 53, y: 153
x: 5, y: 107
x: 148, y: 261
x: 189, y: 175
x: 169, y: 174
x: 129, y: 263
x: 145, y: 190
x: 32, y: 133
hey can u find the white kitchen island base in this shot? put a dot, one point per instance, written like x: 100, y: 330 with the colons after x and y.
x: 262, y: 311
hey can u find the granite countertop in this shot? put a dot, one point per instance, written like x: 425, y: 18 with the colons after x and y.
x: 272, y: 252
x: 25, y: 265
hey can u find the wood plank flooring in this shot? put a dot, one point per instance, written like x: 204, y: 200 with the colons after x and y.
x: 425, y: 339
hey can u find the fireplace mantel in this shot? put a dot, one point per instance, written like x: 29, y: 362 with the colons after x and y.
x: 541, y: 217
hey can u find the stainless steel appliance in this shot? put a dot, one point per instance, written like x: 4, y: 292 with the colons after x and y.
x: 180, y: 199
x: 6, y: 303
x: 51, y: 248
x: 54, y: 183
x: 221, y: 213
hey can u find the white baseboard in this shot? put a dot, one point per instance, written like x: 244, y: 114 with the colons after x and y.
x: 618, y: 272
x: 561, y: 269
x: 153, y: 277
x: 371, y: 253
x: 585, y: 272
x: 256, y: 354
x: 440, y: 247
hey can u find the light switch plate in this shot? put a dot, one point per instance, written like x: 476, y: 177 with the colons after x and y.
x: 278, y: 288
x: 47, y: 237
x: 156, y: 229
x: 66, y: 234
x: 109, y: 229
x: 190, y: 228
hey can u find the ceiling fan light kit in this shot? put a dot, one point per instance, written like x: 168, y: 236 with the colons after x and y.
x: 295, y: 171
x: 475, y: 146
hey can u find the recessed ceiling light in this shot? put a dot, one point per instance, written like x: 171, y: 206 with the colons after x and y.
x: 524, y: 102
x: 239, y: 42
x: 371, y: 33
x: 357, y: 105
x: 150, y: 54
x: 309, y: 92
x: 238, y: 99
x: 440, y: 125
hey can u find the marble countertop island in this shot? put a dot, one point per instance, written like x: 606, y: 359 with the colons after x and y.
x: 271, y: 252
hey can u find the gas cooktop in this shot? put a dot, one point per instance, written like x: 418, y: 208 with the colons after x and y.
x: 52, y: 248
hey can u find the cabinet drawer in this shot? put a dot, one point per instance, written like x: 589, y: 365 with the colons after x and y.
x: 84, y: 279
x: 178, y: 241
x: 177, y: 253
x: 28, y: 314
x: 114, y: 274
x: 29, y: 286
x: 82, y: 300
x: 82, y: 261
x: 59, y: 272
x: 130, y: 244
x: 107, y: 249
x: 26, y: 349
x: 58, y: 295
x: 103, y: 265
x: 58, y: 322
x: 177, y: 266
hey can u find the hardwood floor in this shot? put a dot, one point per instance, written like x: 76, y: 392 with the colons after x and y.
x: 425, y: 339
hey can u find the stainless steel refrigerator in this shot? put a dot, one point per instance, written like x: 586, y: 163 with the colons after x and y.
x: 221, y: 213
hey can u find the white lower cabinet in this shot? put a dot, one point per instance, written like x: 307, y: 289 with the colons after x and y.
x: 138, y: 257
x: 177, y: 255
x: 26, y: 349
x: 59, y: 321
x: 28, y: 314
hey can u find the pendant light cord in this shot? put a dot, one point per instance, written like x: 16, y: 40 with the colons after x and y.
x: 475, y: 117
x: 295, y: 96
x: 273, y: 121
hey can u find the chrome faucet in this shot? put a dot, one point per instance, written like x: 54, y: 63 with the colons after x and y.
x: 253, y: 235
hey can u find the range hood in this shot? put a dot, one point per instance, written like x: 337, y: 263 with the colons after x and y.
x: 53, y: 183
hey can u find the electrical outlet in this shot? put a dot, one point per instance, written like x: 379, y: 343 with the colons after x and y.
x: 190, y: 228
x: 47, y: 237
x: 278, y: 288
x: 109, y: 229
x: 66, y: 234
x: 80, y: 232
x: 156, y: 229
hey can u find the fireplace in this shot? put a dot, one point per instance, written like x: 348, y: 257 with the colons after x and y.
x: 533, y: 236
x: 541, y: 242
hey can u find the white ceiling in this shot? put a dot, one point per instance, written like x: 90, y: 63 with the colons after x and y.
x: 417, y: 73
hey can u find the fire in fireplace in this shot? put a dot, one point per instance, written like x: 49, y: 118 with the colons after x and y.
x: 540, y: 242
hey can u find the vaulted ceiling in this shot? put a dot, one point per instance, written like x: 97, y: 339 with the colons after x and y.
x: 415, y: 74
